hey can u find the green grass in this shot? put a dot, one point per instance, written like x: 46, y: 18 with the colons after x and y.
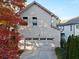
x: 59, y: 53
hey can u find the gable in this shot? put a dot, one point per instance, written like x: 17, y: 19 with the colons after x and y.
x: 36, y: 10
x: 43, y: 15
x: 43, y: 8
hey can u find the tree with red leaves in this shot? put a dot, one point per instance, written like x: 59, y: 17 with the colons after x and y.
x: 9, y: 35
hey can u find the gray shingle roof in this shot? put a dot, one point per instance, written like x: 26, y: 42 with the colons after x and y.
x: 71, y: 21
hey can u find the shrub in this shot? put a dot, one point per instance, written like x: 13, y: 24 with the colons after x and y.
x: 72, y: 47
x: 59, y: 53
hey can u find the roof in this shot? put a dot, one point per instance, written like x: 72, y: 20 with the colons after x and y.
x: 35, y: 3
x: 71, y: 22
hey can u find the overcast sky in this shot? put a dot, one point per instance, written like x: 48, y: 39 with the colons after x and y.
x: 64, y: 9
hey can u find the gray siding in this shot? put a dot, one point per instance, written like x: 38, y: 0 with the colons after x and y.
x: 43, y: 28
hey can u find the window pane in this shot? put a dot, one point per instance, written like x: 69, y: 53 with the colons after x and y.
x: 42, y: 38
x: 25, y: 17
x: 34, y: 24
x: 34, y: 17
x: 77, y: 26
x: 34, y: 21
x: 50, y: 38
x: 28, y: 38
x: 35, y: 38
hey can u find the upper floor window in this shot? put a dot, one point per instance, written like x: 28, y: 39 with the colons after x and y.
x: 77, y: 26
x: 70, y: 27
x: 34, y: 21
x: 25, y: 18
x: 34, y: 18
x: 34, y: 24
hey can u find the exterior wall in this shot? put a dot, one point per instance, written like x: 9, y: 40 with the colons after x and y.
x: 43, y: 17
x: 68, y: 32
x: 43, y: 28
x: 42, y: 33
x: 76, y: 30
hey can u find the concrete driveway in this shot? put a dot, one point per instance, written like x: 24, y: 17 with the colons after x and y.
x: 44, y: 51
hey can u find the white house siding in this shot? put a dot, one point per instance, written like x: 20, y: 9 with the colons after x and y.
x: 43, y: 28
x: 76, y: 30
x: 67, y: 31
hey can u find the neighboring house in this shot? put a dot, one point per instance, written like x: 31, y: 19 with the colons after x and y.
x: 42, y: 24
x: 70, y: 27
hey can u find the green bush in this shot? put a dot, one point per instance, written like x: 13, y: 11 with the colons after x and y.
x: 69, y: 49
x: 59, y: 53
x: 72, y: 48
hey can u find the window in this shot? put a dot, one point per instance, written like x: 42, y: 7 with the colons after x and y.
x: 50, y: 38
x: 28, y: 38
x: 77, y: 26
x: 35, y: 38
x: 34, y: 17
x: 34, y: 21
x: 42, y: 38
x: 70, y: 27
x: 34, y: 24
x: 25, y: 17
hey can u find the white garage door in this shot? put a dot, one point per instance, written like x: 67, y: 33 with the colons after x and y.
x: 37, y: 42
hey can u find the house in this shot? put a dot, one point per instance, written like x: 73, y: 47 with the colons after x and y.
x: 70, y: 27
x: 42, y: 24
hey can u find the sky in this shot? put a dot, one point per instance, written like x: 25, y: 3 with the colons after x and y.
x: 64, y: 9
